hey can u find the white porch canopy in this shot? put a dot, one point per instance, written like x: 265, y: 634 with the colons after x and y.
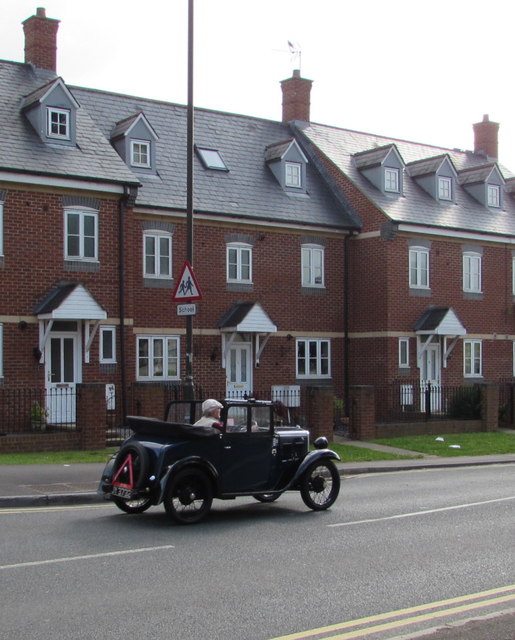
x: 247, y: 317
x: 69, y: 301
x: 438, y: 321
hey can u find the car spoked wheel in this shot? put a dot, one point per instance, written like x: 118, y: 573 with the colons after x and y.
x: 188, y: 496
x: 320, y: 485
x: 137, y: 505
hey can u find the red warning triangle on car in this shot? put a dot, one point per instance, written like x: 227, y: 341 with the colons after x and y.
x: 187, y: 287
x: 126, y: 472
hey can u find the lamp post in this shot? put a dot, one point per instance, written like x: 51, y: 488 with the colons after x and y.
x: 188, y: 382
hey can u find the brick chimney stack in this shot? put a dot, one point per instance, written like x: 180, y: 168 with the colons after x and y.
x: 485, y: 138
x: 41, y: 40
x: 296, y: 98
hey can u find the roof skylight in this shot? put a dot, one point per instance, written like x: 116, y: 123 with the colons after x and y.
x: 211, y: 158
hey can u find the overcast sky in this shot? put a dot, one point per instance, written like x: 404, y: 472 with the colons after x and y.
x: 410, y: 69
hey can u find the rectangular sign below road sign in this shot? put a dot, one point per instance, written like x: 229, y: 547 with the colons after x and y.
x: 186, y: 309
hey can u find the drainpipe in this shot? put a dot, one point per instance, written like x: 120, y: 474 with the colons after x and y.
x: 346, y: 279
x: 128, y: 199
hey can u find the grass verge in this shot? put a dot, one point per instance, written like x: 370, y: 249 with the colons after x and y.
x: 456, y: 444
x: 58, y: 457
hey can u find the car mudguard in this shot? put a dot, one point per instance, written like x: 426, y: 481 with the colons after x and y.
x: 311, y: 457
x: 190, y: 461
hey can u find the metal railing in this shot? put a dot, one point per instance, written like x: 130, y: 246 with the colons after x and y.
x: 414, y: 401
x: 37, y: 410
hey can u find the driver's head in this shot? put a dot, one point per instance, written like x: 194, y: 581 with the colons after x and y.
x: 211, y: 407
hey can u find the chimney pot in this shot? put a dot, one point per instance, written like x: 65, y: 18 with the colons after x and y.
x: 41, y: 40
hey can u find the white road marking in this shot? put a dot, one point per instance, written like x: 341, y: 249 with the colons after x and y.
x: 92, y: 556
x: 421, y: 513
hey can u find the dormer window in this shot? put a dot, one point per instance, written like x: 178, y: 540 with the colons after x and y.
x: 287, y: 162
x: 52, y: 112
x: 494, y: 195
x: 58, y: 123
x: 135, y: 141
x: 293, y: 174
x: 484, y: 183
x: 383, y: 167
x: 444, y: 188
x: 140, y: 153
x: 391, y: 180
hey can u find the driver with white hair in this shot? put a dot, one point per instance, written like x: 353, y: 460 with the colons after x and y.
x: 210, y: 414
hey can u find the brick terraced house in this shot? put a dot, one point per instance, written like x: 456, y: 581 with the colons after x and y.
x: 432, y: 269
x: 94, y: 236
x: 326, y: 257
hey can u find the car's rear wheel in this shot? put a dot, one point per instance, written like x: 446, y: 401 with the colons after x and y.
x: 188, y: 496
x: 320, y: 485
x: 137, y: 505
x: 266, y: 497
x: 130, y: 469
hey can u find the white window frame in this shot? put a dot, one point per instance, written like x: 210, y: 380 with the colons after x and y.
x: 403, y: 353
x: 493, y: 195
x: 239, y: 262
x: 418, y: 272
x: 293, y: 175
x: 51, y: 111
x: 472, y: 265
x: 104, y: 331
x: 444, y: 188
x: 472, y: 358
x: 153, y: 359
x: 392, y: 180
x: 313, y: 265
x: 139, y: 149
x: 322, y: 362
x: 83, y: 215
x: 161, y: 257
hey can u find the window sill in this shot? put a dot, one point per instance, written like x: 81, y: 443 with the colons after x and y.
x: 81, y: 265
x: 419, y: 293
x: 472, y: 295
x: 157, y: 283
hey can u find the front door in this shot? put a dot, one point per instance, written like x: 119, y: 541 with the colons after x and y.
x: 239, y: 370
x: 430, y: 377
x: 61, y: 368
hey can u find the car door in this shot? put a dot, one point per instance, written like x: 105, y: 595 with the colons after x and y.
x: 247, y: 451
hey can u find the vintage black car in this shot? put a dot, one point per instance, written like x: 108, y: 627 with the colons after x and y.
x: 253, y: 453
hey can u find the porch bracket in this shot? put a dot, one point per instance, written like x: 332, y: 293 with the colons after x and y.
x: 90, y: 336
x: 228, y: 343
x: 447, y: 350
x: 423, y: 348
x: 43, y: 336
x: 260, y: 346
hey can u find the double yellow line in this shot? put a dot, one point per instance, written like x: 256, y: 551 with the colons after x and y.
x: 412, y: 615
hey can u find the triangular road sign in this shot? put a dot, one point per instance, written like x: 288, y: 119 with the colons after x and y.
x: 187, y: 286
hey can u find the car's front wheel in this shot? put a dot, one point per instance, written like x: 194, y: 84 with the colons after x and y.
x: 188, y: 496
x: 136, y: 505
x: 320, y: 485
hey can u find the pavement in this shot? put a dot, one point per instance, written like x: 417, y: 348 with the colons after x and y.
x: 39, y: 485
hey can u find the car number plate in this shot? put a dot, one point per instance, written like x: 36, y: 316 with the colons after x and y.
x: 120, y: 492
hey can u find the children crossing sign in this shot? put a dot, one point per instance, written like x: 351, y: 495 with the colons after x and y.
x: 187, y: 288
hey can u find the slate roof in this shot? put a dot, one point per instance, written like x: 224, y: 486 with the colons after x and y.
x: 415, y: 206
x: 247, y: 191
x: 22, y: 150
